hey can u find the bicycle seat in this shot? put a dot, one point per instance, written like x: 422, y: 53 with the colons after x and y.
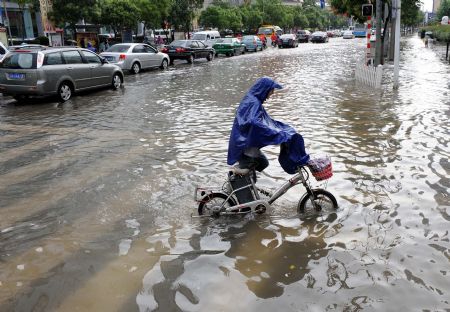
x: 240, y: 171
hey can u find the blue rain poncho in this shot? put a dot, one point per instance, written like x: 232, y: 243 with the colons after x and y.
x: 253, y: 127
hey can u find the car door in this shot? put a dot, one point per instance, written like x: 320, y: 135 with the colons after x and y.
x: 203, y: 49
x: 154, y: 58
x: 140, y: 54
x: 77, y: 69
x: 195, y: 49
x: 101, y: 74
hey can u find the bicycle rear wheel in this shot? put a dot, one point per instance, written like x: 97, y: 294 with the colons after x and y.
x: 324, y: 202
x: 210, y: 204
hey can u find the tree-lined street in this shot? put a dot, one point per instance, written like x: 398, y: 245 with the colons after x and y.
x: 96, y: 193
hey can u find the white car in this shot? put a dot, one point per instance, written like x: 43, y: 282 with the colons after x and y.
x: 348, y: 34
x: 135, y: 56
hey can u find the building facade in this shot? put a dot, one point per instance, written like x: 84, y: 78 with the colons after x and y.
x: 20, y: 23
x: 436, y: 5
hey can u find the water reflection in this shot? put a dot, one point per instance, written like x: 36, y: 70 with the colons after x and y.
x: 96, y: 194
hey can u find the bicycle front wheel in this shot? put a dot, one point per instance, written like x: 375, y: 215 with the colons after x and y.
x: 322, y: 202
x: 211, y: 204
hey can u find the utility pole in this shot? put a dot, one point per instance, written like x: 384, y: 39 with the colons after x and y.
x: 397, y: 4
x: 378, y: 46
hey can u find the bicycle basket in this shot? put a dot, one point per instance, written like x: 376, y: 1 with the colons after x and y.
x: 321, y: 168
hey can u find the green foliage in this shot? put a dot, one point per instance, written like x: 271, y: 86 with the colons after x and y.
x: 410, y: 9
x: 440, y: 32
x: 120, y: 14
x: 249, y: 17
x: 72, y: 11
x: 183, y: 12
x: 154, y: 12
x: 444, y: 9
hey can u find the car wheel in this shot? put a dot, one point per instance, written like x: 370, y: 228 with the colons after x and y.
x: 116, y: 81
x: 243, y: 51
x: 164, y: 64
x: 135, y: 68
x: 210, y: 56
x: 232, y: 53
x: 190, y: 60
x: 65, y: 91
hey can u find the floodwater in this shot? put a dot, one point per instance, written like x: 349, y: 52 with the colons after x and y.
x: 96, y: 194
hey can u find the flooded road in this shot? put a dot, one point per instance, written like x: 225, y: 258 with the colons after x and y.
x: 96, y: 194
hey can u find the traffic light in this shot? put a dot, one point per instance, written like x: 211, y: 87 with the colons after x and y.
x: 367, y: 10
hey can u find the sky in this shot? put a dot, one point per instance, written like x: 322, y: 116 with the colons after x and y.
x: 427, y: 5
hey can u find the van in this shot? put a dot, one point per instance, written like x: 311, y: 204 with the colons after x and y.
x: 209, y: 37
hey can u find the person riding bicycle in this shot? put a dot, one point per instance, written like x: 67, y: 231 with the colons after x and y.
x: 253, y: 129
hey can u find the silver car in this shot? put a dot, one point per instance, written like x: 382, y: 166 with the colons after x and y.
x: 55, y: 71
x: 135, y: 56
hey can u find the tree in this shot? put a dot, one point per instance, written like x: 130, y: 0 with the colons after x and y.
x: 153, y: 12
x: 71, y: 11
x: 183, y: 12
x: 251, y: 19
x: 120, y: 14
x: 222, y: 17
x: 444, y: 9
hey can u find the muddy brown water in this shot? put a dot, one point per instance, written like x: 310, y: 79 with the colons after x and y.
x: 96, y: 194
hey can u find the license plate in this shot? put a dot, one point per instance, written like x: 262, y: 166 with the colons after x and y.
x: 16, y: 76
x: 109, y: 58
x: 172, y: 51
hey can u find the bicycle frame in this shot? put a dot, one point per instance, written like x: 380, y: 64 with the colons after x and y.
x: 260, y: 203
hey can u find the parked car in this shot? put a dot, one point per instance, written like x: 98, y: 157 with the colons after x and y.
x: 252, y: 43
x: 229, y: 46
x: 348, y: 34
x: 188, y: 50
x: 136, y: 56
x: 288, y: 41
x: 55, y: 71
x: 319, y: 36
x: 303, y: 35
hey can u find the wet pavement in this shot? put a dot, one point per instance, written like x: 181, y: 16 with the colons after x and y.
x: 96, y: 194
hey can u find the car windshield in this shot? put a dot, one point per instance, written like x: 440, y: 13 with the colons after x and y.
x: 121, y: 48
x: 224, y: 40
x: 265, y: 31
x: 199, y: 37
x: 179, y: 43
x: 286, y: 36
x: 19, y: 61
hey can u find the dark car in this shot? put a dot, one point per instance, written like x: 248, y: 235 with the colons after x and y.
x: 303, y: 35
x: 319, y: 36
x: 188, y: 50
x: 287, y: 41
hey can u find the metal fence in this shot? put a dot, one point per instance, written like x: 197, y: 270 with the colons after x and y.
x: 369, y: 75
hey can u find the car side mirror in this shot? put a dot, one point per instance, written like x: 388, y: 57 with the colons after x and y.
x: 104, y: 61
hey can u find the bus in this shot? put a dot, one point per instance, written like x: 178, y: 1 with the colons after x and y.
x: 360, y: 30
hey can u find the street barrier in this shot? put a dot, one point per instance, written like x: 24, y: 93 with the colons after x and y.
x: 369, y: 75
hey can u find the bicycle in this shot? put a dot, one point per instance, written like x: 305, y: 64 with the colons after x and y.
x: 239, y: 194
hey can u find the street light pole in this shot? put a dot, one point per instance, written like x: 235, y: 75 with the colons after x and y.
x: 397, y: 43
